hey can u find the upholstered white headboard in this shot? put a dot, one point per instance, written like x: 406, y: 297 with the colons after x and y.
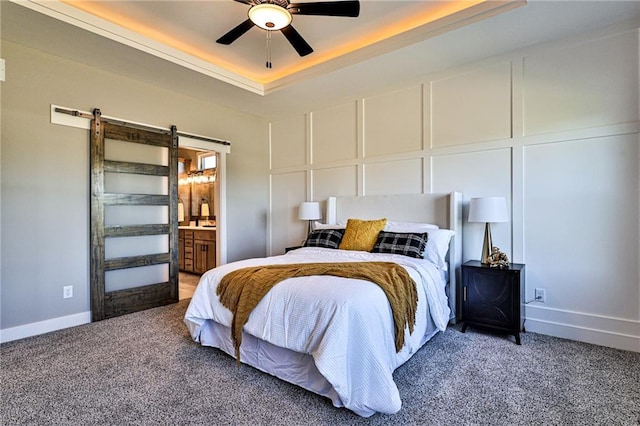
x: 444, y: 210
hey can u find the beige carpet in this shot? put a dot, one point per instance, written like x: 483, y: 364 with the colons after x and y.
x: 144, y: 369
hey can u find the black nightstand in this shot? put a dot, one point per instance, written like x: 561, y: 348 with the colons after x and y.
x: 492, y: 298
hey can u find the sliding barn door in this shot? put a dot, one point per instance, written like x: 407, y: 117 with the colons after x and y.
x: 134, y: 228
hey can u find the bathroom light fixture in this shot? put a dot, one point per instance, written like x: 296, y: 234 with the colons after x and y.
x: 198, y: 176
x: 487, y: 209
x: 309, y: 210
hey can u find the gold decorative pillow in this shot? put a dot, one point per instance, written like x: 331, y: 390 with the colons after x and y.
x: 361, y: 234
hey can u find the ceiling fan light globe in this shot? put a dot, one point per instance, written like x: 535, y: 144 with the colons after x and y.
x: 270, y: 16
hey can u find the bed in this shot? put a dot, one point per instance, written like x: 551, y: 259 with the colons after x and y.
x: 334, y: 335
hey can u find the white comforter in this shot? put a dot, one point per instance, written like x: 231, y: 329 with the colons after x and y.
x: 344, y: 324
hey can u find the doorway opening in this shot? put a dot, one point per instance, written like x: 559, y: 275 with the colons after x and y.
x: 198, y: 216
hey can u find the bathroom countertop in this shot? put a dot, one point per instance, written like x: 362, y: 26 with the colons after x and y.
x: 198, y: 228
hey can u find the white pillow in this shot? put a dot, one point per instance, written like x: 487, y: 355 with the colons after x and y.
x: 319, y: 225
x: 438, y: 246
x: 416, y: 227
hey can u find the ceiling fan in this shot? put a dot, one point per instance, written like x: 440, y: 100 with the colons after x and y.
x: 273, y: 15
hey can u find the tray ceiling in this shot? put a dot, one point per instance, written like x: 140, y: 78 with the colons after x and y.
x: 184, y: 32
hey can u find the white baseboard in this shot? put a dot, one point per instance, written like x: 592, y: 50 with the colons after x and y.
x: 41, y: 327
x: 616, y: 333
x: 604, y: 331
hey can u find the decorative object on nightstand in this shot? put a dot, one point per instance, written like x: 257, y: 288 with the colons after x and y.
x: 309, y: 210
x: 487, y: 210
x: 498, y: 259
x: 492, y: 298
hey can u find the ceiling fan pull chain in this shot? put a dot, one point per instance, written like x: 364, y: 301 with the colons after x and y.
x: 268, y: 49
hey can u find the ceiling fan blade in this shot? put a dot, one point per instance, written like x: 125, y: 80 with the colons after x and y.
x: 246, y: 2
x: 296, y: 40
x: 235, y: 33
x: 350, y: 8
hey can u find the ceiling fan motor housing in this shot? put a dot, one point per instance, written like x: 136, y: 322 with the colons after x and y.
x: 281, y: 3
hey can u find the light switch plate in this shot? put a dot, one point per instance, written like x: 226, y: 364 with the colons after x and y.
x: 1, y: 69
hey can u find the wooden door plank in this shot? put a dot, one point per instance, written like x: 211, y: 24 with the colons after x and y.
x: 97, y: 218
x: 136, y: 299
x: 113, y: 199
x: 136, y: 261
x: 128, y: 134
x: 136, y: 230
x: 135, y: 168
x: 173, y: 212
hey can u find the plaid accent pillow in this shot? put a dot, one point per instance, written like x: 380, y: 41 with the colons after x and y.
x: 327, y: 238
x: 407, y: 243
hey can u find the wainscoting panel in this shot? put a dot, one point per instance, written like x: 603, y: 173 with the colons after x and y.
x: 334, y: 134
x: 288, y: 147
x: 581, y: 224
x: 477, y: 174
x: 582, y: 86
x: 288, y: 190
x: 553, y: 128
x: 472, y: 107
x: 393, y: 177
x: 393, y: 122
x: 334, y: 181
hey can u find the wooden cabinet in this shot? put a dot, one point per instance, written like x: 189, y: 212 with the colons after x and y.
x: 204, y: 251
x: 198, y: 250
x: 187, y: 253
x: 492, y: 298
x: 181, y: 250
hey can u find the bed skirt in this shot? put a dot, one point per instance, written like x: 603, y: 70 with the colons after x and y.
x: 293, y: 367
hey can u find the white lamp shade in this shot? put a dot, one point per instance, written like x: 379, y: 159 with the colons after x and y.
x: 204, y: 210
x: 488, y: 209
x: 309, y: 210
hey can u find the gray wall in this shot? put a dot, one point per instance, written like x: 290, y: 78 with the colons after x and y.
x: 45, y: 175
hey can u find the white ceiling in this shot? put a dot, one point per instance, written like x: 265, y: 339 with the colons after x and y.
x: 184, y: 32
x: 235, y: 76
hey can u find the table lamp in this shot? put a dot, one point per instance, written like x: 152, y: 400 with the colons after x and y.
x: 309, y: 210
x: 487, y: 210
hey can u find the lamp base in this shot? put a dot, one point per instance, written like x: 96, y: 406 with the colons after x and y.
x: 486, y: 245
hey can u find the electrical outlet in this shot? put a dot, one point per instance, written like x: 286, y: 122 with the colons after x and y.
x: 541, y: 295
x: 67, y: 291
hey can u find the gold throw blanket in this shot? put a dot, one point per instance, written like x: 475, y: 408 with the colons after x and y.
x: 241, y: 290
